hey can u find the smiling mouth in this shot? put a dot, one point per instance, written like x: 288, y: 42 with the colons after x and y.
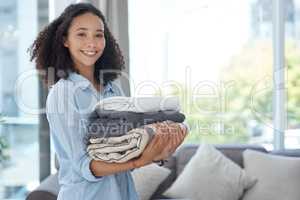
x: 88, y: 53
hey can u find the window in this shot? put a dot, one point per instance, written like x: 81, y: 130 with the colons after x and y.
x: 217, y: 56
x: 19, y: 163
x: 292, y: 59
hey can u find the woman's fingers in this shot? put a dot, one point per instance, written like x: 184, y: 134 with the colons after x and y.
x: 178, y: 134
x: 158, y: 141
x: 168, y: 136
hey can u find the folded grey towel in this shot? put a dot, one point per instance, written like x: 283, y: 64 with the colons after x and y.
x: 105, y: 123
x: 123, y: 148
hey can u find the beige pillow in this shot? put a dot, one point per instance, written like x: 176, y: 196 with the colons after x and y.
x: 210, y: 176
x: 278, y: 176
x: 148, y: 178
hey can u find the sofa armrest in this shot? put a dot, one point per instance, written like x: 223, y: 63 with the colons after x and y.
x: 47, y: 190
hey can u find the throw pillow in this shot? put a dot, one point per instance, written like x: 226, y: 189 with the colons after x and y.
x: 278, y: 176
x: 148, y: 178
x: 210, y: 175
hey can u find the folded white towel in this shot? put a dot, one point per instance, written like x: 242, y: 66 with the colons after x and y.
x: 139, y: 104
x: 120, y: 149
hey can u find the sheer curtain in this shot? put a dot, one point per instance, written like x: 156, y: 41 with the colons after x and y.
x: 116, y: 13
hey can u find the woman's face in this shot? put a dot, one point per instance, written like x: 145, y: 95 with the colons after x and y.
x: 85, y: 40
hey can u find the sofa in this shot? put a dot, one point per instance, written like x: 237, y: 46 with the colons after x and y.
x: 49, y: 188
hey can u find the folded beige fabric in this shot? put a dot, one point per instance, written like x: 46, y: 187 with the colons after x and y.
x: 120, y: 149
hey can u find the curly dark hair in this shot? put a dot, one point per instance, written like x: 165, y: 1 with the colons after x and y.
x: 49, y: 52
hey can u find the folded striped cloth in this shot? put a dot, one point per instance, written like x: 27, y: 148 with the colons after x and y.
x: 139, y: 104
x: 123, y: 148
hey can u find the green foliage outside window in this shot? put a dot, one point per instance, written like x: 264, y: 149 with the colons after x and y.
x: 3, y: 146
x: 248, y: 78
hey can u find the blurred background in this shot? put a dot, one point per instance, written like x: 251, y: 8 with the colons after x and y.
x: 218, y: 56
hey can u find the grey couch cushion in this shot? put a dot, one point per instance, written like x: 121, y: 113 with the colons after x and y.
x: 181, y: 157
x: 233, y: 152
x: 147, y: 179
x: 210, y: 175
x: 278, y: 176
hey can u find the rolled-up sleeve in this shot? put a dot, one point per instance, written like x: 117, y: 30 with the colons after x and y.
x: 67, y: 131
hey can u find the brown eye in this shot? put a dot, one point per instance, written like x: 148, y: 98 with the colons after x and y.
x: 81, y: 34
x: 100, y: 35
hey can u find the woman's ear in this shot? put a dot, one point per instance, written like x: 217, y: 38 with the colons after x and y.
x: 66, y: 43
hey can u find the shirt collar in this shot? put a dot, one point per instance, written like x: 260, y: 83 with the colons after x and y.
x: 84, y: 83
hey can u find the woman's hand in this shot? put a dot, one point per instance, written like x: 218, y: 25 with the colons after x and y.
x: 152, y: 150
x: 176, y: 131
x: 168, y: 136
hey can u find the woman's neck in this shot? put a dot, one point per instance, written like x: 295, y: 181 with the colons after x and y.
x: 88, y: 73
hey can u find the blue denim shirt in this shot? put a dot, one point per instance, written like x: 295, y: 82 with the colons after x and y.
x: 68, y: 105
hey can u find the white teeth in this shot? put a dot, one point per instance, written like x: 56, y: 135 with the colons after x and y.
x: 89, y: 53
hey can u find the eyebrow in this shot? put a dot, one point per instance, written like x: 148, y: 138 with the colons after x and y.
x: 84, y: 29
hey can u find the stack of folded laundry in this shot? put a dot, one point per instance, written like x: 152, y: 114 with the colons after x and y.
x: 121, y: 127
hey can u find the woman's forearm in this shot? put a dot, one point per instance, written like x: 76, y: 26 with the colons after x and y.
x: 100, y: 168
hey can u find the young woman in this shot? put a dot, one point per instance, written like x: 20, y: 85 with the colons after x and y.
x: 73, y: 50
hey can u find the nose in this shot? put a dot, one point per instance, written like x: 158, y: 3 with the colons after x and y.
x: 91, y: 42
x: 91, y: 45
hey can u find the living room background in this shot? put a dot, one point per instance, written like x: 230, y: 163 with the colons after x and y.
x: 218, y: 56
